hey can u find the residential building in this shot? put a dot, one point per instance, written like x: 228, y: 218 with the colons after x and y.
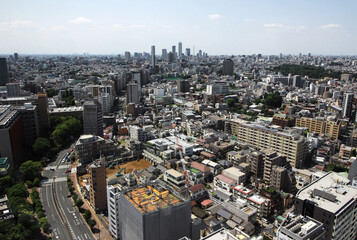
x: 331, y: 201
x: 132, y: 93
x: 271, y: 158
x: 228, y: 67
x: 161, y: 215
x: 93, y: 118
x: 320, y: 125
x: 283, y: 120
x: 224, y: 183
x: 42, y: 103
x: 256, y: 162
x: 164, y: 54
x: 98, y: 185
x: 218, y: 88
x: 197, y: 191
x: 347, y: 105
x: 113, y: 194
x: 293, y: 146
x: 30, y: 123
x: 137, y: 133
x: 183, y: 86
x: 236, y: 157
x: 13, y: 89
x: 236, y: 174
x: 345, y: 152
x: 175, y: 178
x: 300, y: 228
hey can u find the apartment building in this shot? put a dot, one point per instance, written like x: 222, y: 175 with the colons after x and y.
x: 98, y: 185
x: 113, y: 194
x: 320, y: 125
x: 293, y: 146
x: 283, y: 121
x: 331, y: 201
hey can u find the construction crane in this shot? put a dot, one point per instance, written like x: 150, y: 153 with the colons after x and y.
x: 183, y: 162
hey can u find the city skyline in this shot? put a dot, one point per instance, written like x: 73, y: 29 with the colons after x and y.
x: 218, y: 28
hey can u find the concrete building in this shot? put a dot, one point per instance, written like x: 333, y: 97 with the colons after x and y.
x: 154, y: 213
x: 11, y: 134
x: 127, y: 57
x: 331, y: 201
x: 228, y: 67
x: 180, y: 50
x: 153, y: 59
x: 224, y: 183
x: 113, y: 194
x: 320, y: 125
x: 42, y: 103
x: 164, y: 54
x: 137, y: 133
x: 236, y: 174
x: 183, y: 86
x: 293, y: 146
x: 174, y: 52
x: 217, y: 88
x: 170, y: 58
x: 30, y: 123
x: 300, y: 228
x: 236, y: 157
x: 92, y: 118
x: 271, y: 158
x: 188, y: 52
x: 98, y: 185
x: 13, y: 89
x: 347, y: 105
x: 256, y: 162
x: 283, y: 120
x: 89, y: 147
x: 132, y: 93
x: 4, y: 74
x: 106, y: 98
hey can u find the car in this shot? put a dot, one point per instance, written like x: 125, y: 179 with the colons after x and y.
x: 52, y: 169
x: 68, y: 171
x: 71, y: 150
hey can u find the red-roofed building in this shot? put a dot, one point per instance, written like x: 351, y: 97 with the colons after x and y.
x: 224, y: 183
x: 207, y: 203
x: 197, y: 191
x: 203, y: 168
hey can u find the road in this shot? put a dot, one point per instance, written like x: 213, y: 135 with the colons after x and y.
x: 65, y: 220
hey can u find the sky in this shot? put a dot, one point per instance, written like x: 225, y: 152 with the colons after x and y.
x: 218, y: 27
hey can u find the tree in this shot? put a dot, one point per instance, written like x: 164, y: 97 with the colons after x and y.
x: 87, y: 215
x: 18, y: 190
x: 30, y: 170
x: 79, y: 203
x: 41, y: 146
x: 5, y: 183
x: 66, y: 131
x: 91, y: 224
x: 230, y: 102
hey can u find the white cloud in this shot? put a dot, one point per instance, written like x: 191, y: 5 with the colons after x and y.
x: 274, y: 25
x: 80, y: 20
x: 214, y: 16
x: 328, y: 26
x: 137, y: 26
x: 22, y: 23
x: 117, y: 25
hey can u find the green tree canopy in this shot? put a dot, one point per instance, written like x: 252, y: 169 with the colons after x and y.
x: 273, y: 100
x: 41, y: 146
x: 66, y: 131
x: 5, y: 183
x: 30, y: 170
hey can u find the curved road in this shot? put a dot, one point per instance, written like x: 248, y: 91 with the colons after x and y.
x: 66, y: 222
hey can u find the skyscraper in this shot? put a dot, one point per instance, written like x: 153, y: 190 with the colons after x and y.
x: 16, y: 56
x: 180, y: 50
x: 347, y: 105
x: 153, y: 63
x: 164, y: 54
x: 127, y: 56
x: 228, y: 67
x: 170, y: 57
x: 98, y: 185
x: 174, y: 51
x: 132, y: 93
x: 93, y: 118
x: 188, y: 52
x: 4, y: 75
x: 42, y: 102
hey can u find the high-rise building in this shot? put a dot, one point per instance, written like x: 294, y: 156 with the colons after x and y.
x: 93, y: 118
x: 188, y: 52
x: 293, y: 146
x: 183, y: 86
x: 113, y: 194
x: 13, y: 89
x: 174, y: 51
x: 170, y: 57
x: 16, y: 56
x: 11, y: 134
x: 164, y: 54
x: 98, y: 185
x: 217, y: 88
x: 153, y: 61
x: 4, y: 74
x: 163, y: 215
x: 331, y: 201
x: 347, y: 105
x: 42, y: 102
x: 106, y: 97
x: 127, y: 56
x: 30, y: 123
x: 228, y: 67
x: 180, y: 50
x: 320, y: 125
x: 132, y: 93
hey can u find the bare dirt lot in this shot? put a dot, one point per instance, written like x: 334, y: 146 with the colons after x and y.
x: 129, y: 167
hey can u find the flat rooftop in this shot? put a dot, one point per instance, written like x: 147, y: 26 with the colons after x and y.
x: 149, y: 199
x: 330, y: 192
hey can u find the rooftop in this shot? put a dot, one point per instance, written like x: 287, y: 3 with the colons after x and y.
x: 148, y: 199
x: 329, y: 192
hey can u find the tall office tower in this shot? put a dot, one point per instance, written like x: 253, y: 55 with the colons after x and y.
x: 93, y: 118
x: 42, y: 103
x: 106, y: 97
x: 4, y: 74
x: 174, y: 51
x: 200, y: 53
x: 11, y: 134
x: 332, y: 201
x: 16, y: 56
x: 132, y: 93
x: 183, y: 86
x: 164, y: 215
x: 153, y: 62
x: 170, y: 57
x: 164, y: 54
x: 13, y: 89
x: 188, y: 52
x: 180, y: 50
x: 98, y: 185
x: 137, y: 77
x: 228, y: 67
x: 347, y: 104
x: 127, y: 56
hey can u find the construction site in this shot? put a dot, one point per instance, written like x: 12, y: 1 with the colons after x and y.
x: 128, y: 167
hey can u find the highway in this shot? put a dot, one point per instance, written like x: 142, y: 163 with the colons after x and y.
x: 65, y: 220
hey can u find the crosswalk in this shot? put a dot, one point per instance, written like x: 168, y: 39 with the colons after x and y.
x: 49, y: 181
